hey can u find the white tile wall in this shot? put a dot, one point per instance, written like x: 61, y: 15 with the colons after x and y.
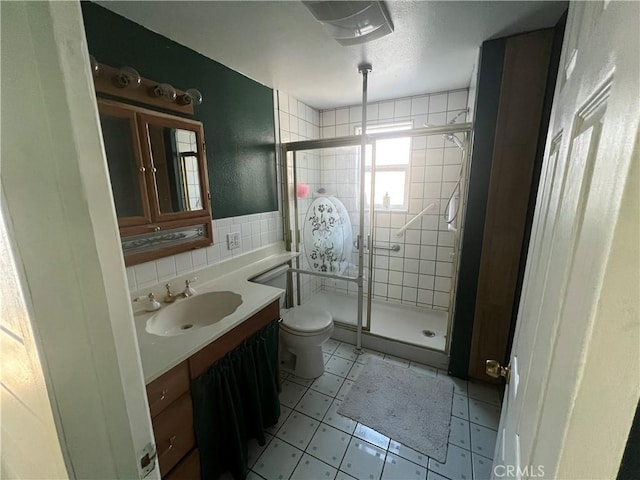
x: 257, y: 231
x: 420, y: 273
x: 298, y: 121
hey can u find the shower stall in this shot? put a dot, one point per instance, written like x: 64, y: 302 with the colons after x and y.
x: 378, y: 244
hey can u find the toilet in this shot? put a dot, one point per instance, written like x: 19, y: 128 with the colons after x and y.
x: 302, y: 332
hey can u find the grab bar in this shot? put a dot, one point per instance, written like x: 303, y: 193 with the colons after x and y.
x: 394, y: 248
x: 415, y: 219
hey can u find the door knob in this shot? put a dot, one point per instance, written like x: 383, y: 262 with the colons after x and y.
x: 495, y: 370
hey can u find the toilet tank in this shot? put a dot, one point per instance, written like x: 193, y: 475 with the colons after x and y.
x: 276, y: 277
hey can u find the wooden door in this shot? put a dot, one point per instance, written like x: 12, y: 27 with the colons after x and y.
x: 567, y: 408
x: 524, y: 85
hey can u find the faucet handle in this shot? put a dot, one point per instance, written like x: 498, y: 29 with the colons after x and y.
x: 152, y: 304
x: 188, y: 289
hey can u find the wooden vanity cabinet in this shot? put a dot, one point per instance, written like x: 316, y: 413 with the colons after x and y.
x: 188, y: 469
x: 173, y: 431
x: 170, y: 400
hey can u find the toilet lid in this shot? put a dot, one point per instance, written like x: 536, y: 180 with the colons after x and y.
x: 305, y: 319
x: 327, y: 237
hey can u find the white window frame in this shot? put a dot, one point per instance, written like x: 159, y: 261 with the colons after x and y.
x: 406, y: 168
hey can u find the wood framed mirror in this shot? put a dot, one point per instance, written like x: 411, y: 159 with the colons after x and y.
x: 158, y: 172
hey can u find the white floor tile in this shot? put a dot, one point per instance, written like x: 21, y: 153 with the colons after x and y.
x: 396, y: 360
x: 459, y: 434
x: 481, y: 467
x: 291, y: 393
x: 278, y: 460
x: 485, y: 393
x: 326, y: 356
x: 312, y: 468
x: 483, y: 440
x: 330, y: 346
x: 333, y: 418
x: 284, y: 414
x: 346, y: 350
x: 254, y: 450
x: 339, y: 366
x: 484, y: 414
x: 298, y: 430
x: 460, y: 407
x: 459, y: 385
x: 398, y: 468
x: 253, y: 476
x: 329, y: 444
x: 434, y: 476
x: 363, y: 460
x: 328, y: 383
x: 372, y: 436
x: 355, y: 371
x: 367, y: 355
x: 314, y: 404
x: 344, y: 476
x: 344, y: 390
x: 305, y: 382
x: 403, y: 451
x: 457, y: 466
x: 424, y: 369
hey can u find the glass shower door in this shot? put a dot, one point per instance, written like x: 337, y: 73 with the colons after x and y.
x: 323, y: 200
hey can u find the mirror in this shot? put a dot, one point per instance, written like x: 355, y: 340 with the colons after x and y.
x: 123, y: 163
x: 158, y: 172
x: 174, y: 153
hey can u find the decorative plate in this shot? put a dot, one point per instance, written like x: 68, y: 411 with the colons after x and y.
x: 327, y: 236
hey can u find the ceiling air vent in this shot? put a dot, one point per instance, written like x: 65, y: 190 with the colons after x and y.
x: 352, y: 23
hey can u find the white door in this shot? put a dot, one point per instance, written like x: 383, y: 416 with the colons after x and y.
x: 62, y: 228
x: 564, y: 416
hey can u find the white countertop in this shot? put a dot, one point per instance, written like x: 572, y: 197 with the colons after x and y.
x: 160, y: 354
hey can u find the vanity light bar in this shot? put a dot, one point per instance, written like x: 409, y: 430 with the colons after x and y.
x: 127, y: 83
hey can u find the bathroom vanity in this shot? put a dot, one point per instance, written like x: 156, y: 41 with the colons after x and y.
x: 170, y: 400
x: 170, y: 362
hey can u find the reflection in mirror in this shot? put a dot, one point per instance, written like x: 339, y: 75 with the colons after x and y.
x: 175, y: 157
x: 123, y: 165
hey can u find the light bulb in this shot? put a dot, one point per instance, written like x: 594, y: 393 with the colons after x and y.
x: 128, y: 77
x: 166, y: 91
x: 95, y: 66
x: 193, y: 96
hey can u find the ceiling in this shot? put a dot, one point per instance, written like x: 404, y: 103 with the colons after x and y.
x: 280, y: 44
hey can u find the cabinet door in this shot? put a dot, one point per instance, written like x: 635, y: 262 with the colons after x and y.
x: 126, y: 168
x: 175, y: 150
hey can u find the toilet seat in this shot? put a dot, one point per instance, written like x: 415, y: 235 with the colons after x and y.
x: 306, y: 321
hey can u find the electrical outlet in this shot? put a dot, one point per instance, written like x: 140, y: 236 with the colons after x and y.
x: 233, y: 240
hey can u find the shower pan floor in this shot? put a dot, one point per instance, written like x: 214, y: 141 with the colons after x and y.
x: 389, y: 320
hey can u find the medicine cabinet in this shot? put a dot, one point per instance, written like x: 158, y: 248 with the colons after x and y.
x: 157, y: 166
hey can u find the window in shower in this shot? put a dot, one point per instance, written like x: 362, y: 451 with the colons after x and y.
x: 392, y: 167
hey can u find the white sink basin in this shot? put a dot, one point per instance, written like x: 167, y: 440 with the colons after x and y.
x: 189, y: 314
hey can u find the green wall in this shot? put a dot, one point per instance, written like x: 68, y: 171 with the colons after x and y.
x: 237, y: 112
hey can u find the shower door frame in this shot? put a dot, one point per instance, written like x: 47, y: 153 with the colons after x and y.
x: 292, y: 235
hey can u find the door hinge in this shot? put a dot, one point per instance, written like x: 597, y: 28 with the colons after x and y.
x: 147, y: 460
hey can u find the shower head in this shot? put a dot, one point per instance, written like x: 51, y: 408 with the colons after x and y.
x: 452, y: 138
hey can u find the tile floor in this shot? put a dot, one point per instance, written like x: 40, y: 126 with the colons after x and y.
x: 312, y: 442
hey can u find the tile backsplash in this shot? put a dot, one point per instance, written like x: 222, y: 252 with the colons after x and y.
x: 256, y: 231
